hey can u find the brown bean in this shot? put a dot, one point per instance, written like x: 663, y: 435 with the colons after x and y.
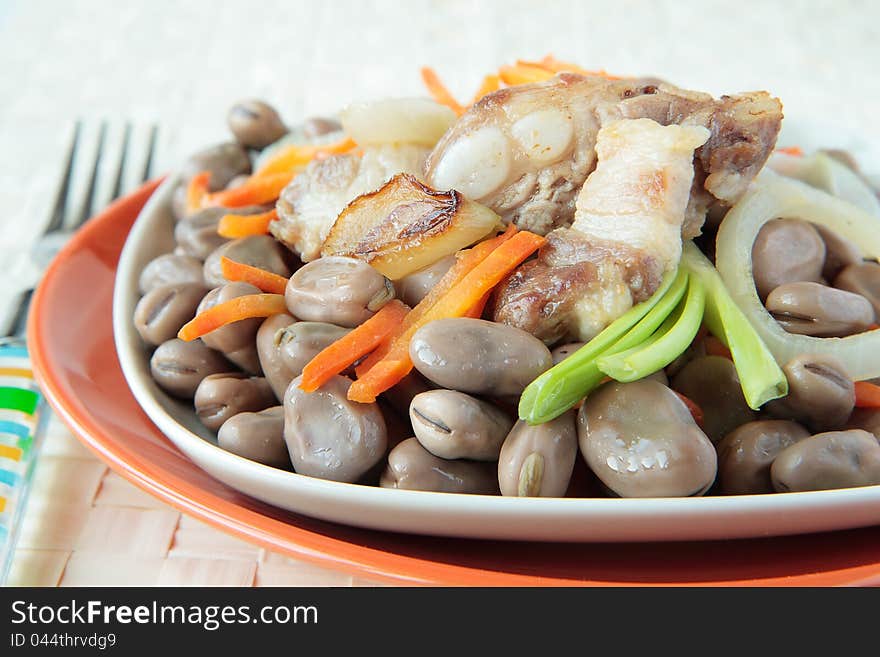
x: 224, y: 162
x: 862, y: 279
x: 222, y: 396
x: 563, y: 351
x: 329, y: 436
x: 537, y: 460
x: 786, y: 251
x: 712, y: 383
x: 412, y: 467
x: 255, y: 123
x: 401, y: 395
x: 413, y: 288
x: 818, y: 310
x: 257, y: 437
x: 237, y: 340
x: 478, y: 356
x: 839, y: 252
x: 179, y: 367
x: 262, y: 251
x: 161, y: 312
x: 453, y: 425
x: 746, y: 454
x: 821, y: 394
x: 640, y: 440
x: 836, y: 459
x: 268, y: 342
x: 170, y: 269
x: 196, y: 234
x: 865, y: 418
x: 285, y: 346
x: 337, y: 290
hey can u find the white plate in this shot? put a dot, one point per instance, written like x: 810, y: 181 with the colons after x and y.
x: 445, y: 514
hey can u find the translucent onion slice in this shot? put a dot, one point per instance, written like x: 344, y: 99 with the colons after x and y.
x: 772, y: 196
x: 824, y: 172
x: 397, y: 120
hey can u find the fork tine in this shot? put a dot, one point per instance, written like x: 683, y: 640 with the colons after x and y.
x: 56, y: 219
x: 18, y: 323
x: 86, y: 208
x: 116, y: 191
x: 151, y: 153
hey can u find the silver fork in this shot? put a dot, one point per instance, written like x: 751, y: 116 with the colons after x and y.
x: 111, y: 170
x: 97, y: 170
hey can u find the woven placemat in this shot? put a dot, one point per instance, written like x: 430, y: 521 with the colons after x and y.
x: 87, y: 526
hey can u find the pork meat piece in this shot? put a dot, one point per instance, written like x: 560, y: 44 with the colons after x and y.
x: 626, y: 235
x: 525, y: 151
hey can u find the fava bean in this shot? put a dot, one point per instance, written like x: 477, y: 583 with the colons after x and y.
x: 478, y: 356
x: 835, y: 459
x: 412, y: 467
x: 453, y: 425
x: 330, y: 437
x: 641, y: 441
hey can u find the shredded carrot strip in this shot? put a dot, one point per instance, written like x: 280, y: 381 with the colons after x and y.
x: 523, y: 74
x: 439, y: 91
x: 693, y: 407
x: 550, y: 63
x: 267, y: 281
x: 234, y: 310
x: 714, y: 347
x: 258, y: 190
x: 796, y: 151
x: 197, y: 190
x: 454, y: 303
x: 867, y: 395
x: 296, y: 156
x: 353, y: 345
x: 477, y: 311
x: 233, y: 226
x: 490, y: 83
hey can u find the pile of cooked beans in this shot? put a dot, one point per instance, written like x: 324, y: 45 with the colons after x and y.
x: 450, y: 425
x: 813, y: 281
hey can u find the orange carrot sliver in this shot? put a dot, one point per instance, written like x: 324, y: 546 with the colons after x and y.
x: 258, y: 190
x: 477, y: 310
x: 867, y: 395
x: 795, y: 151
x: 454, y: 303
x: 267, y: 281
x: 693, y: 407
x: 353, y: 345
x: 197, y: 190
x: 296, y: 156
x: 234, y: 310
x: 523, y: 74
x: 233, y: 226
x: 439, y: 92
x: 490, y: 83
x: 550, y: 63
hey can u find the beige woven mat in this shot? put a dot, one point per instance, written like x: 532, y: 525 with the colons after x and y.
x: 87, y: 526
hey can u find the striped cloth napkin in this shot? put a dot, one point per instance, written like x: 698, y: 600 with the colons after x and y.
x: 22, y: 414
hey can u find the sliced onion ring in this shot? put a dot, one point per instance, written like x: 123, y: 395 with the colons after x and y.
x: 772, y: 196
x: 824, y: 172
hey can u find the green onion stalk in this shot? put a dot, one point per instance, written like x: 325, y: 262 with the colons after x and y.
x: 651, y: 335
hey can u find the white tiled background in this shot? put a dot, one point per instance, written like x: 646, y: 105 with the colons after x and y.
x: 180, y: 64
